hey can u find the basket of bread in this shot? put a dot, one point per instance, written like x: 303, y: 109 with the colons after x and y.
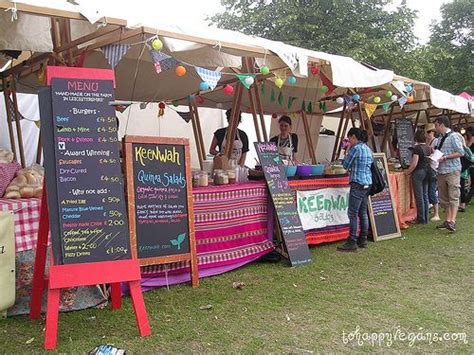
x: 27, y: 183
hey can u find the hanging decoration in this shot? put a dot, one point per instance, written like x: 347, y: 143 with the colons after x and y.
x: 348, y: 100
x: 157, y: 45
x: 265, y: 70
x: 280, y: 98
x: 199, y: 100
x: 262, y: 89
x: 386, y: 106
x: 327, y: 82
x: 388, y: 94
x: 274, y: 116
x: 314, y: 70
x: 175, y: 103
x: 279, y: 83
x: 370, y: 109
x: 356, y: 97
x: 292, y: 80
x: 340, y: 100
x: 394, y: 97
x: 303, y: 106
x: 143, y: 105
x: 246, y: 79
x: 402, y: 101
x: 186, y: 116
x: 114, y: 52
x: 204, y: 86
x: 209, y: 76
x: 324, y: 89
x: 228, y: 90
x: 377, y: 99
x: 323, y: 107
x: 410, y: 99
x: 291, y: 99
x: 162, y: 61
x: 409, y: 88
x: 161, y: 109
x: 180, y: 70
x: 272, y: 96
x: 310, y: 107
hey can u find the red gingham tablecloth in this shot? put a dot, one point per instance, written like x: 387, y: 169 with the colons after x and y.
x: 26, y: 213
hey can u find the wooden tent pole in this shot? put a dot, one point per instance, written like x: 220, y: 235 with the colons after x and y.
x: 416, y: 121
x: 249, y: 64
x: 369, y: 127
x: 309, y: 139
x: 11, y: 133
x: 388, y: 125
x: 338, y: 134
x: 343, y: 134
x: 234, y: 121
x: 196, y: 137
x: 260, y: 111
x: 18, y: 123
x: 199, y: 130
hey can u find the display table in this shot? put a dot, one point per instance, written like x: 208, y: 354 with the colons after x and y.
x: 404, y: 198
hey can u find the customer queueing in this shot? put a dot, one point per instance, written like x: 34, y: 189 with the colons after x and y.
x: 449, y: 171
x: 432, y: 141
x: 419, y: 176
x: 358, y: 160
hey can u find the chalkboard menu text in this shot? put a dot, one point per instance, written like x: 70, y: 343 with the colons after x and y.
x: 284, y: 203
x: 406, y: 140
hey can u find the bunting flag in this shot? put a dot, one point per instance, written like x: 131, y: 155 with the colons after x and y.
x: 303, y: 106
x: 310, y: 107
x: 114, y: 52
x: 327, y: 82
x: 386, y: 106
x: 347, y: 100
x: 209, y: 76
x: 13, y: 112
x: 402, y: 101
x: 280, y: 98
x: 262, y: 91
x: 290, y: 101
x: 187, y: 116
x: 162, y: 62
x: 323, y: 107
x: 38, y: 123
x: 243, y: 79
x: 272, y: 96
x: 370, y: 109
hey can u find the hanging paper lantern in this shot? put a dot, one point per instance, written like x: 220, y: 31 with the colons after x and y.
x: 314, y: 70
x: 356, y: 97
x: 377, y: 99
x: 199, y: 100
x: 324, y: 89
x: 204, y: 86
x: 228, y: 89
x: 394, y: 97
x: 274, y: 116
x: 292, y: 80
x: 340, y: 100
x: 279, y: 83
x: 190, y: 98
x: 388, y: 94
x: 265, y: 70
x: 175, y: 103
x: 180, y: 70
x: 161, y: 107
x: 249, y: 80
x: 143, y: 105
x: 157, y: 45
x: 410, y: 99
x: 219, y: 105
x: 409, y: 88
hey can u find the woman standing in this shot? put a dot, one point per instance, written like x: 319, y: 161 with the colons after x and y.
x: 286, y: 141
x: 358, y: 160
x: 419, y: 176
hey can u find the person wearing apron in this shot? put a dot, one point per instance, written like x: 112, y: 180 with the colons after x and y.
x: 240, y: 146
x: 286, y: 141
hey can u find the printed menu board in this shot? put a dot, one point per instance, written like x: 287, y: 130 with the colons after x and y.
x: 160, y: 198
x: 84, y: 170
x: 406, y: 140
x: 383, y: 215
x: 284, y: 203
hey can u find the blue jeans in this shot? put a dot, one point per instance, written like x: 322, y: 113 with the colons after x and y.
x: 358, y: 201
x: 433, y: 190
x: 419, y: 180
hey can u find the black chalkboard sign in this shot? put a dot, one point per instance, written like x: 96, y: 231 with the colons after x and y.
x: 284, y: 203
x: 382, y: 212
x: 159, y: 192
x: 406, y: 140
x: 83, y: 175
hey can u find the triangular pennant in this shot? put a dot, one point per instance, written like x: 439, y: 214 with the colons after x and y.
x: 162, y: 61
x: 272, y: 96
x: 370, y: 109
x: 386, y: 106
x: 347, y: 99
x: 310, y: 107
x: 209, y: 76
x: 187, y: 116
x: 327, y: 82
x: 38, y: 123
x: 290, y: 101
x: 322, y: 106
x: 262, y: 89
x: 114, y: 52
x: 280, y: 98
x: 243, y: 79
x: 402, y: 101
x: 303, y: 106
x: 13, y: 112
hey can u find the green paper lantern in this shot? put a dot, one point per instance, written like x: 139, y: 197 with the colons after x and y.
x: 265, y: 70
x: 388, y: 94
x: 324, y: 89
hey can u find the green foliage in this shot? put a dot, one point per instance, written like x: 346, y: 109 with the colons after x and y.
x: 371, y: 31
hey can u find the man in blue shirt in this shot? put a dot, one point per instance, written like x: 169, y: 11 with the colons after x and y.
x: 358, y: 160
x: 449, y: 171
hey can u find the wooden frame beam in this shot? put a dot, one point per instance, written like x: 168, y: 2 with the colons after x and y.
x: 309, y: 139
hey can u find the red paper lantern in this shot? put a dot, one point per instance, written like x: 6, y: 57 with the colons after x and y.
x: 161, y: 105
x: 274, y: 116
x: 314, y: 70
x: 199, y: 100
x: 228, y: 90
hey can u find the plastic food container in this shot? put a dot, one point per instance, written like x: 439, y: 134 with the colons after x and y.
x: 317, y: 170
x: 232, y: 176
x: 220, y: 177
x: 304, y: 170
x: 290, y: 170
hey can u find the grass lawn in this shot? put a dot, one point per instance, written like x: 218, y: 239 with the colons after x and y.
x: 419, y: 283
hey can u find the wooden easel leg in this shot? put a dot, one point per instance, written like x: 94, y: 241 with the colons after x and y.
x: 52, y: 313
x: 139, y: 308
x: 116, y: 295
x: 40, y: 260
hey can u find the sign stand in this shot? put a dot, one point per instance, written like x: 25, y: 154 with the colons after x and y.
x: 84, y: 274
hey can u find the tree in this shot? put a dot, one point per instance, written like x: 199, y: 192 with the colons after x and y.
x: 365, y: 29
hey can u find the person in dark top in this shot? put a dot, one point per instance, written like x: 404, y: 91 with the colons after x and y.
x: 240, y: 146
x: 419, y: 175
x: 286, y: 141
x: 467, y: 171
